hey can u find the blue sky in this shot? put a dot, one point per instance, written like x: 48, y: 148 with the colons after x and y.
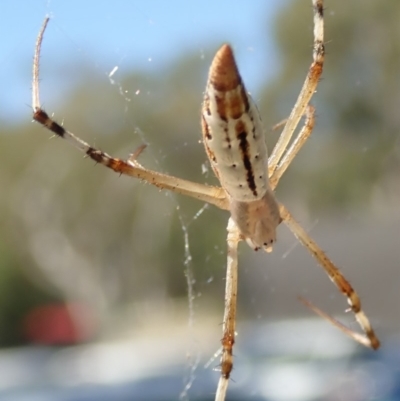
x: 128, y: 34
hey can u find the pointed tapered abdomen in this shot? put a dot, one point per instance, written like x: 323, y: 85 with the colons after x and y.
x: 235, y: 144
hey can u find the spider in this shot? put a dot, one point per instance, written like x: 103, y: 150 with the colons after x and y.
x: 234, y: 143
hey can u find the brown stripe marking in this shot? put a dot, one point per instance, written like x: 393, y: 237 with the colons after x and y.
x: 206, y: 104
x: 205, y: 129
x: 237, y: 102
x: 210, y: 153
x: 241, y: 135
x: 227, y: 138
x: 41, y: 117
x: 320, y: 9
x: 221, y: 107
x: 231, y: 104
x: 213, y: 160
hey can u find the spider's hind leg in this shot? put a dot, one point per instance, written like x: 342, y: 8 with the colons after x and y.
x: 369, y: 339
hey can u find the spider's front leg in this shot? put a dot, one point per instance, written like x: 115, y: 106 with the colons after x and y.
x: 229, y: 323
x: 131, y: 167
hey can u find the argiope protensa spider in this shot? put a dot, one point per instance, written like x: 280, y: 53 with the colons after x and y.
x: 235, y: 144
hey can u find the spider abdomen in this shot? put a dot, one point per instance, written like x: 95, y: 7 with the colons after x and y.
x: 232, y: 131
x: 234, y: 140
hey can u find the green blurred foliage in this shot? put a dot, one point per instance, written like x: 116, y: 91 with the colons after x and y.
x: 80, y: 232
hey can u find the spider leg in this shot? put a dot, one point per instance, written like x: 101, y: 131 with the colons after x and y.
x: 205, y: 193
x: 338, y: 279
x: 308, y: 89
x: 229, y: 323
x: 294, y: 148
x: 132, y: 160
x: 279, y: 125
x: 362, y: 339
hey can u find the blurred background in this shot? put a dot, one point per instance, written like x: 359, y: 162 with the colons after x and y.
x: 111, y: 289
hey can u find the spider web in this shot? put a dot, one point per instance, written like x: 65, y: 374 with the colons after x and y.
x: 193, y: 354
